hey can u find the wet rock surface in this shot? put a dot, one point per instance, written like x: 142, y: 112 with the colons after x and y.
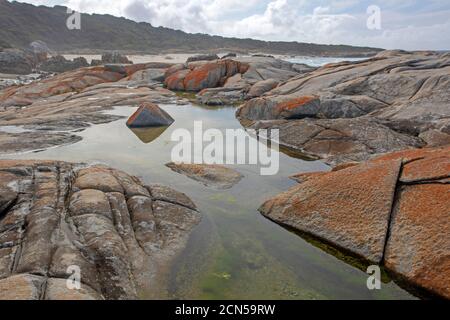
x: 120, y: 233
x: 403, y: 96
x: 392, y: 211
x: 214, y: 176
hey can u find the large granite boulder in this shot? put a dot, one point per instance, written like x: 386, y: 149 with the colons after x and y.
x: 392, y: 211
x: 199, y: 76
x: 221, y: 96
x: 60, y: 64
x: 406, y: 92
x: 14, y: 61
x: 121, y: 234
x: 149, y: 115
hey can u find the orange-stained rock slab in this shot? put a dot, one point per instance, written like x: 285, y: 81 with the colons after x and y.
x: 409, y: 155
x: 348, y: 208
x: 429, y: 168
x: 419, y: 245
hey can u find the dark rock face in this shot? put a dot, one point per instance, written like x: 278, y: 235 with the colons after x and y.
x: 120, y: 233
x: 201, y: 75
x: 392, y: 210
x: 149, y: 115
x: 261, y: 87
x: 39, y: 46
x: 13, y: 61
x: 203, y: 57
x: 229, y: 55
x: 405, y: 92
x: 60, y: 64
x: 115, y: 57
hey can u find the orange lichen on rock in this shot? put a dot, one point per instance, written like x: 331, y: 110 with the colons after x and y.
x: 294, y: 103
x: 419, y: 245
x: 176, y: 80
x: 211, y: 75
x: 195, y: 78
x: 303, y: 177
x: 71, y: 81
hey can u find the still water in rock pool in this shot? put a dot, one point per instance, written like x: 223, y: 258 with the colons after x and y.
x: 234, y: 253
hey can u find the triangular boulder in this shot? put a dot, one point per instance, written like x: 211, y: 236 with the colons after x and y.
x: 149, y: 115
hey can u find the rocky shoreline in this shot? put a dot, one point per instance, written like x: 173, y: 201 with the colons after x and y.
x: 382, y: 123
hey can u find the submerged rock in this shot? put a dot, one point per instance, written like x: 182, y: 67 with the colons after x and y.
x: 214, y: 176
x: 149, y: 115
x: 120, y: 233
x: 392, y: 211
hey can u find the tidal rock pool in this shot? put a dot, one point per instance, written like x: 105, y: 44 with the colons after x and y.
x: 235, y: 253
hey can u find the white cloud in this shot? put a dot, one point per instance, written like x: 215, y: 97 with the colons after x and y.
x: 406, y: 24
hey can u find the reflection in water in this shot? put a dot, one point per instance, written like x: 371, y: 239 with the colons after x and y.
x: 147, y: 135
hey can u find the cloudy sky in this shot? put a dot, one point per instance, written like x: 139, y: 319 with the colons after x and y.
x: 405, y: 24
